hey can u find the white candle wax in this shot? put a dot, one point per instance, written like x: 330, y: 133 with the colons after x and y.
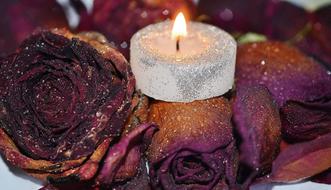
x: 201, y: 69
x: 162, y: 44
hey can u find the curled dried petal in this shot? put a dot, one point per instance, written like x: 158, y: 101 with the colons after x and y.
x: 118, y: 152
x: 257, y: 121
x: 306, y: 121
x: 302, y: 160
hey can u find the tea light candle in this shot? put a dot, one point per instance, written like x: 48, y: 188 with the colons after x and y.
x: 172, y: 64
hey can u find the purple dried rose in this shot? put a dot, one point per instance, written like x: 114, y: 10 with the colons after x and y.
x: 194, y: 148
x: 63, y: 100
x: 257, y: 121
x: 294, y: 80
x: 120, y: 19
x: 21, y: 18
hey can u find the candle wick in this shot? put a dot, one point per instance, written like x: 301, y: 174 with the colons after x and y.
x: 177, y: 44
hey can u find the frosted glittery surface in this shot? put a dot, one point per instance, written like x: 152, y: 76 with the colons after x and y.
x: 187, y: 76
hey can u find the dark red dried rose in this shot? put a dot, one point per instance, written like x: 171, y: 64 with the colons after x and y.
x: 194, y: 147
x: 257, y: 121
x: 63, y: 100
x: 21, y: 18
x: 120, y: 19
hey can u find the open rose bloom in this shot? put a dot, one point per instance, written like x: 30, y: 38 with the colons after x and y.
x: 64, y: 101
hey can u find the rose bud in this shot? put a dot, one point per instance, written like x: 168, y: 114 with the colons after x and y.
x: 194, y: 147
x: 64, y: 99
x: 21, y: 18
x: 299, y: 85
x: 114, y: 18
x: 257, y: 121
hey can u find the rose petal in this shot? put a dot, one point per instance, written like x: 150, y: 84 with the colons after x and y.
x: 140, y: 181
x: 316, y: 122
x: 301, y: 161
x: 286, y: 72
x: 257, y: 121
x: 118, y: 152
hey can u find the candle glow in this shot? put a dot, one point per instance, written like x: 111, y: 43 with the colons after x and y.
x: 179, y: 28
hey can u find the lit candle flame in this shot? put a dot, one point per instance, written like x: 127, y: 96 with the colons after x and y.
x: 179, y: 28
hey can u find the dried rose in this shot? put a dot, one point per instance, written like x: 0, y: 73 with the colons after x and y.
x: 63, y: 101
x: 290, y: 76
x: 21, y: 18
x: 120, y: 19
x: 257, y: 121
x: 302, y: 160
x: 194, y: 148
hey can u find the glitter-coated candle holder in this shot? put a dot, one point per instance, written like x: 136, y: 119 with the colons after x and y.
x: 202, y: 68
